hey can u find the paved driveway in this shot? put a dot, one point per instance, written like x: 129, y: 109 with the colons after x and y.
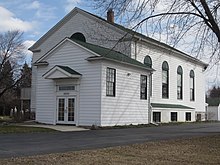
x: 13, y: 145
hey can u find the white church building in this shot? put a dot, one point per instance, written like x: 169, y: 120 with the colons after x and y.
x: 91, y: 71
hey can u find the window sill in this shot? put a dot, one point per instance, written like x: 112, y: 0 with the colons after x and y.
x: 109, y: 96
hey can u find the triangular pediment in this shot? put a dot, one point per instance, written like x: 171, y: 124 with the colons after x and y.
x: 61, y: 72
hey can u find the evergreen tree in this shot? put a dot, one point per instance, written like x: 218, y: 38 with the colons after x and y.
x: 215, y: 92
x: 7, y: 81
x: 25, y: 76
x: 6, y: 78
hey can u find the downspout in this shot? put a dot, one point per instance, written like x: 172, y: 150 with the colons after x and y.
x: 218, y: 119
x: 135, y: 50
x: 149, y: 102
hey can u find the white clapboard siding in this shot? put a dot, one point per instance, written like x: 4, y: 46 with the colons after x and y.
x: 89, y: 98
x: 158, y: 56
x: 95, y: 31
x: 126, y: 107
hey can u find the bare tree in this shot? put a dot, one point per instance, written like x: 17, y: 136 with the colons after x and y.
x: 11, y: 59
x: 191, y: 22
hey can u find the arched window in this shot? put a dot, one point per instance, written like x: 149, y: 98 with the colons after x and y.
x: 148, y: 61
x: 192, y: 85
x: 165, y: 80
x: 179, y: 82
x: 78, y: 36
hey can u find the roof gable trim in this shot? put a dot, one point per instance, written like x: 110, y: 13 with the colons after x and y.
x: 61, y: 43
x: 57, y: 72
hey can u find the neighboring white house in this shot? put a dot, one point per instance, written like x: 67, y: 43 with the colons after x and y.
x: 213, y: 109
x: 87, y: 70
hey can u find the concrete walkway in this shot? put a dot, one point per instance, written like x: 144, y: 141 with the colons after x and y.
x: 61, y: 128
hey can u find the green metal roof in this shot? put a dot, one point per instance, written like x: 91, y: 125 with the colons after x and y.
x: 176, y: 106
x: 213, y: 101
x: 111, y: 54
x: 68, y: 69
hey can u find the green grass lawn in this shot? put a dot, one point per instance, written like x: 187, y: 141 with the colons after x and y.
x: 5, y: 119
x: 6, y: 126
x: 22, y: 129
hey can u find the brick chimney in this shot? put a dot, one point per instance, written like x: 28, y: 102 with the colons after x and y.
x: 110, y: 16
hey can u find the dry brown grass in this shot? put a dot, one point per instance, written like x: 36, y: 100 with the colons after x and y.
x: 202, y: 150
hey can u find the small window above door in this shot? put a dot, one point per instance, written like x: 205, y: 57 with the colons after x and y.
x: 66, y: 88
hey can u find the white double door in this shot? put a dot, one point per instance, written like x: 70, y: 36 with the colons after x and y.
x: 66, y: 110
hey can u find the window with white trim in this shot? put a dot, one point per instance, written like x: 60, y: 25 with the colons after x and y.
x: 165, y: 80
x: 143, y: 90
x: 173, y: 116
x: 66, y: 87
x: 192, y: 85
x: 188, y: 116
x: 179, y: 82
x: 110, y: 82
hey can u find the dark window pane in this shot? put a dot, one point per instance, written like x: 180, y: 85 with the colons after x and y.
x: 110, y: 81
x: 192, y: 85
x: 188, y: 116
x: 179, y: 83
x: 173, y: 116
x: 143, y: 90
x: 165, y: 80
x: 148, y: 61
x: 157, y: 117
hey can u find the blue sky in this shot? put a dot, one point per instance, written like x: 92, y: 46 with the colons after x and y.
x: 35, y: 17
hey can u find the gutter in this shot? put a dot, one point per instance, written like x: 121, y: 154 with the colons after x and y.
x: 104, y: 58
x: 149, y: 105
x: 43, y: 63
x: 182, y: 54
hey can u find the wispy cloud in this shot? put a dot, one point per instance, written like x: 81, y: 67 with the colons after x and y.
x: 70, y: 4
x: 42, y: 11
x: 10, y: 22
x: 33, y: 5
x: 28, y: 53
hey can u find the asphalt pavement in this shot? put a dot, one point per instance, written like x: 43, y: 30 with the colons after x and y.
x: 27, y: 144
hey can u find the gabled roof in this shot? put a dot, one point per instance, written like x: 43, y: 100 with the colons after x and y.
x: 69, y: 70
x: 176, y: 106
x: 111, y: 55
x: 60, y: 72
x: 213, y: 101
x: 64, y: 20
x: 116, y: 26
x: 99, y: 53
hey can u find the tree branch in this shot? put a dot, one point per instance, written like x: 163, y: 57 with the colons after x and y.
x: 215, y: 27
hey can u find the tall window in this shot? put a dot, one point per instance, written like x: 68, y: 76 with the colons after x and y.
x: 110, y: 81
x: 148, y: 61
x: 143, y: 91
x: 165, y: 80
x: 192, y: 85
x: 179, y: 82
